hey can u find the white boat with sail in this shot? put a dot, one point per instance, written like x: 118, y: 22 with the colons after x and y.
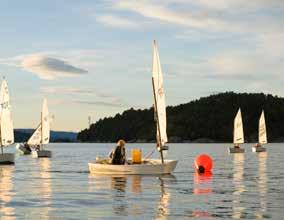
x: 6, y: 125
x: 262, y: 136
x: 41, y: 135
x: 238, y: 134
x: 147, y: 166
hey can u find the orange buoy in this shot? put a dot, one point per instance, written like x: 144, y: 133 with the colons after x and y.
x: 203, y: 163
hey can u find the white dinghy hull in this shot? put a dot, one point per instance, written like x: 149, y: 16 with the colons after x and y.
x: 7, y: 159
x: 233, y: 150
x: 23, y: 149
x: 258, y: 149
x: 41, y: 153
x: 153, y: 166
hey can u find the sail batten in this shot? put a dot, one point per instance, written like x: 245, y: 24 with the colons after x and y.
x: 6, y: 122
x: 262, y: 136
x: 159, y: 95
x: 238, y: 129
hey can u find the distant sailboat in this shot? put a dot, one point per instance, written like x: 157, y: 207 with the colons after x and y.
x: 262, y: 136
x: 6, y: 125
x: 238, y: 134
x: 40, y: 136
x: 148, y: 166
x: 44, y: 129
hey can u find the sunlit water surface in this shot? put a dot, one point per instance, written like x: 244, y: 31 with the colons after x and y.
x: 248, y: 186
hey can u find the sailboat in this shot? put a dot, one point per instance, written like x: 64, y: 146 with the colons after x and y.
x: 41, y: 135
x: 6, y: 125
x: 262, y: 136
x: 238, y: 134
x: 148, y: 166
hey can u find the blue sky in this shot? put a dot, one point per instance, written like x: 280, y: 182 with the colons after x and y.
x: 93, y: 58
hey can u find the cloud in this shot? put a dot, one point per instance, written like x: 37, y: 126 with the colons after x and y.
x: 50, y: 68
x: 98, y: 97
x: 76, y: 91
x: 51, y: 65
x: 163, y: 13
x: 102, y: 103
x: 116, y: 21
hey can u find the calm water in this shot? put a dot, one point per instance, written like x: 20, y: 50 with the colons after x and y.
x: 249, y: 186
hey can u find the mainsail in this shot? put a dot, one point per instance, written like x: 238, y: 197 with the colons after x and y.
x: 159, y: 95
x: 45, y: 126
x: 6, y: 124
x: 238, y: 129
x: 262, y: 137
x: 41, y: 134
x: 35, y: 139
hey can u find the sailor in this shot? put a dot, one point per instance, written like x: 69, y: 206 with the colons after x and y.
x: 118, y: 156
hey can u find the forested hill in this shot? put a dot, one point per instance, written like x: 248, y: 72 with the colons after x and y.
x: 208, y: 119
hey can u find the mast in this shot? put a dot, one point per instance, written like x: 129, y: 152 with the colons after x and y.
x: 41, y: 139
x: 159, y: 101
x: 159, y: 141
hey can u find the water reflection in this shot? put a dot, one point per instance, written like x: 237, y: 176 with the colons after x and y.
x: 6, y: 192
x: 262, y: 184
x: 45, y: 188
x: 202, y: 186
x: 202, y: 183
x: 164, y: 201
x: 118, y: 184
x: 239, y: 188
x: 123, y: 189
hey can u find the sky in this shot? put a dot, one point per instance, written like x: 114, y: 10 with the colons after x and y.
x: 93, y: 58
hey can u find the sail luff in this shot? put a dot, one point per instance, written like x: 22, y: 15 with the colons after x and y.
x: 6, y: 122
x: 159, y: 96
x: 262, y: 135
x: 238, y: 129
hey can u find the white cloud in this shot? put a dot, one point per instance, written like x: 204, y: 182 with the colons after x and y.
x: 116, y: 21
x: 77, y: 91
x: 163, y: 13
x: 50, y: 68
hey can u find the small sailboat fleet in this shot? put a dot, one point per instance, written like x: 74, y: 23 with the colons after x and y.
x: 6, y: 124
x: 238, y: 134
x: 40, y: 137
x: 262, y: 136
x: 148, y: 166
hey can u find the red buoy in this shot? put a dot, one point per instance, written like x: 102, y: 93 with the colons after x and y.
x: 203, y: 163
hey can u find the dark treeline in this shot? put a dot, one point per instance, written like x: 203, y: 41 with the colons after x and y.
x: 203, y: 120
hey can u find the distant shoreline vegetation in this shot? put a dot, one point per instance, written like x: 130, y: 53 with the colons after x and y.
x: 22, y: 135
x: 206, y: 120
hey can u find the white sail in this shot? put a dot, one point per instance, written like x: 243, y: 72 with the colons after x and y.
x: 160, y: 105
x: 238, y: 129
x: 45, y: 123
x: 35, y: 139
x: 6, y: 124
x: 262, y: 137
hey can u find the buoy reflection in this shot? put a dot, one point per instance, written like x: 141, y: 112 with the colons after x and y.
x: 202, y: 183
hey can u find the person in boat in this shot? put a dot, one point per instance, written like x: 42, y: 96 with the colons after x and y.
x: 236, y: 146
x: 118, y: 155
x: 37, y: 147
x: 257, y: 145
x: 27, y: 147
